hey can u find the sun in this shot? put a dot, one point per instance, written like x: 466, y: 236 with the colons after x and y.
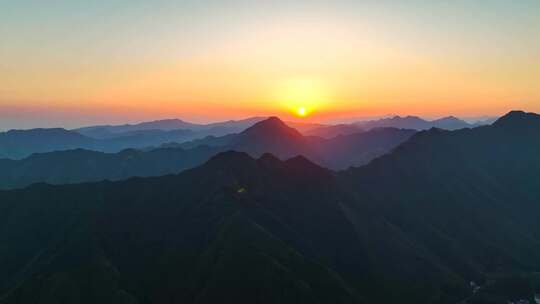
x: 301, y: 97
x: 302, y: 112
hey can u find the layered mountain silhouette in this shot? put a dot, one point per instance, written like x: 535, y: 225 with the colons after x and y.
x: 22, y: 143
x: 18, y: 144
x: 469, y: 196
x: 210, y: 234
x: 76, y: 166
x: 268, y: 136
x: 335, y: 130
x: 417, y: 123
x: 274, y: 136
x: 407, y: 122
x: 447, y: 217
x: 216, y: 129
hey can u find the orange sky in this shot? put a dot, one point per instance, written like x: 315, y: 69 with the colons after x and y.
x: 212, y: 62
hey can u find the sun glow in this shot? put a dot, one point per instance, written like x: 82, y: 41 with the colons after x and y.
x: 302, y: 97
x: 302, y: 112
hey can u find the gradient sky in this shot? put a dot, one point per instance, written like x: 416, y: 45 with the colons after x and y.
x: 70, y: 63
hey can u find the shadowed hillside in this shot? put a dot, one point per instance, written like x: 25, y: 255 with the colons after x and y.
x: 418, y: 225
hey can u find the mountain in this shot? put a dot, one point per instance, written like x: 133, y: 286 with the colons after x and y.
x: 333, y: 131
x: 450, y: 123
x: 446, y: 217
x: 304, y: 127
x: 108, y: 131
x: 417, y: 123
x: 21, y: 143
x: 76, y: 166
x: 143, y: 139
x: 18, y: 144
x: 408, y: 122
x: 483, y: 121
x: 519, y: 122
x: 470, y: 197
x: 230, y: 229
x: 268, y: 136
x: 274, y: 136
x: 358, y: 149
x: 231, y: 126
x: 215, y: 129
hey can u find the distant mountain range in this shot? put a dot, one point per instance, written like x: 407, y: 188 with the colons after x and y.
x: 407, y: 122
x: 268, y: 136
x: 446, y: 217
x: 215, y: 129
x: 18, y: 144
x: 417, y: 123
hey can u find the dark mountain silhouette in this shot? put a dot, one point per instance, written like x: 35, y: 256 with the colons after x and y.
x: 231, y: 229
x: 333, y: 131
x: 201, y: 130
x: 469, y: 196
x: 76, y: 166
x: 484, y: 121
x: 358, y: 149
x: 519, y: 122
x: 211, y: 141
x: 407, y: 122
x: 108, y: 131
x: 143, y: 139
x: 268, y: 136
x: 231, y: 126
x: 274, y: 136
x: 17, y: 144
x: 21, y: 143
x: 416, y: 123
x: 450, y: 123
x: 418, y: 225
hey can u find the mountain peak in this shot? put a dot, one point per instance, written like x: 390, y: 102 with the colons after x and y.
x: 448, y: 118
x: 412, y: 117
x: 272, y: 126
x: 39, y: 131
x: 272, y: 120
x: 518, y: 119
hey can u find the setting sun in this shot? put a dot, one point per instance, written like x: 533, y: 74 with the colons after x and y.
x: 302, y: 97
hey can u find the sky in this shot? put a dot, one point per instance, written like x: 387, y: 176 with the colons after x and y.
x: 73, y: 63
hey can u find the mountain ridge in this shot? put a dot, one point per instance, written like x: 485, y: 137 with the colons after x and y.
x: 440, y: 211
